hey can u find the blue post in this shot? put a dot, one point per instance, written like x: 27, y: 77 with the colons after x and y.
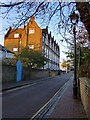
x: 19, y: 71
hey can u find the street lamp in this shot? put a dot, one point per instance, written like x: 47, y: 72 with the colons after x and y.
x: 74, y: 20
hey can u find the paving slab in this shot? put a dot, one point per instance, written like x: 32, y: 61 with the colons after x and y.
x: 68, y: 106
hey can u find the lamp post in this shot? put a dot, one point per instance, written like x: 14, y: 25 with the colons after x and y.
x: 74, y: 20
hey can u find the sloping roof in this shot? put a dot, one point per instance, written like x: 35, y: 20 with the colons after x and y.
x: 45, y: 30
x: 2, y: 48
x: 11, y: 31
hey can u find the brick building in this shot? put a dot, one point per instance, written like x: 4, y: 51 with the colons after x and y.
x: 35, y: 38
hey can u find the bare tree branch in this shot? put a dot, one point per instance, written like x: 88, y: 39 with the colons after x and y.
x: 56, y: 13
x: 9, y: 5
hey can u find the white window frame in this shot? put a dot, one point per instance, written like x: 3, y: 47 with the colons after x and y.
x: 31, y: 31
x: 15, y: 49
x: 31, y: 46
x: 16, y: 35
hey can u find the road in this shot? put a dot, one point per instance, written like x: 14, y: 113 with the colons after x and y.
x: 24, y: 103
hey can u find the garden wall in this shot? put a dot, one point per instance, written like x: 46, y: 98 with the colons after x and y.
x: 9, y: 73
x: 85, y: 94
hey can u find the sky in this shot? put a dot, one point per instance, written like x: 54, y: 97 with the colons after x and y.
x: 63, y: 45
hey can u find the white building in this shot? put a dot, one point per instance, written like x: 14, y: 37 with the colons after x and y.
x: 4, y: 53
x: 51, y: 50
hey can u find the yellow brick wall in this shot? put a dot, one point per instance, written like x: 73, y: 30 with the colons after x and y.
x: 10, y: 42
x: 36, y: 37
x: 85, y: 95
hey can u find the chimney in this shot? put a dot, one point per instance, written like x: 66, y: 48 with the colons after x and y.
x: 32, y: 18
x: 50, y: 33
x: 47, y: 29
x: 53, y: 37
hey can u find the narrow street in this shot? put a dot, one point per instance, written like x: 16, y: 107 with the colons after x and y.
x: 24, y: 103
x: 44, y: 59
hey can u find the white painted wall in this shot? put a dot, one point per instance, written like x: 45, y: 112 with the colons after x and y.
x: 2, y: 55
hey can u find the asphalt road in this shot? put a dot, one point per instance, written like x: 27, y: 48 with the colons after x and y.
x: 24, y: 103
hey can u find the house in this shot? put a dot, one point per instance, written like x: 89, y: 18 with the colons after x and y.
x: 34, y: 38
x: 51, y: 50
x: 30, y: 35
x: 5, y: 53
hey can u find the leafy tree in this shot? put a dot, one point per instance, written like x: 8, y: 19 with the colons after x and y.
x: 65, y: 64
x: 70, y: 56
x: 84, y: 62
x: 9, y: 61
x: 32, y: 58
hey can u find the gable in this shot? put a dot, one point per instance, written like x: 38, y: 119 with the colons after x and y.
x: 11, y: 32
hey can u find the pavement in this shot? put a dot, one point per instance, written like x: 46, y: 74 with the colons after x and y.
x: 66, y: 107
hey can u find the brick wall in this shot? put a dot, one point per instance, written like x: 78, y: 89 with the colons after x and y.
x: 31, y: 74
x: 85, y: 94
x: 9, y: 73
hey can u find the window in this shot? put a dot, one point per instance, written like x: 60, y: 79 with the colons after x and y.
x: 16, y: 35
x: 43, y: 38
x: 42, y: 47
x: 15, y: 49
x: 31, y: 31
x: 31, y: 46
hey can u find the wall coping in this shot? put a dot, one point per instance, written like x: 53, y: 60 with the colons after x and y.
x: 86, y: 81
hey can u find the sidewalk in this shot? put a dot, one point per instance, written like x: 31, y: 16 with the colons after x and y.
x: 67, y: 106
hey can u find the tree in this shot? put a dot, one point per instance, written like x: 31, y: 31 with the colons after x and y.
x: 32, y: 58
x: 84, y: 62
x: 70, y: 56
x: 65, y: 64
